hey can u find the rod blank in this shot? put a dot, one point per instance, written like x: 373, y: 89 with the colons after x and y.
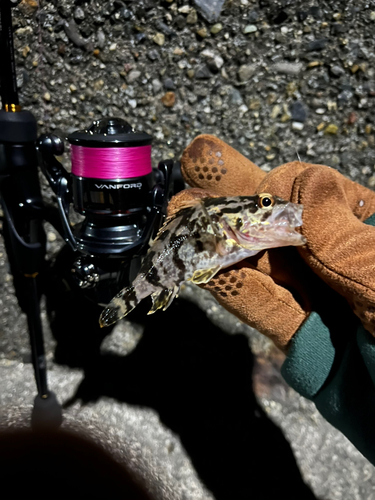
x: 9, y: 93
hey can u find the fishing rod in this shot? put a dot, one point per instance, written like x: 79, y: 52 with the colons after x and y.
x: 22, y: 204
x: 113, y: 187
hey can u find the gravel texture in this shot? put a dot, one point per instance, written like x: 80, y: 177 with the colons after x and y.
x: 276, y: 79
x: 199, y: 408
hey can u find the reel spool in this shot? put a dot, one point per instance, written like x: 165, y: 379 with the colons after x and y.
x: 111, y: 168
x: 112, y: 179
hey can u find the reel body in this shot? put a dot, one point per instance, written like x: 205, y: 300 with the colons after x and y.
x: 121, y: 197
x: 112, y: 185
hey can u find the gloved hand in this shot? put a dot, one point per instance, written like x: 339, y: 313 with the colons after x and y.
x: 276, y: 290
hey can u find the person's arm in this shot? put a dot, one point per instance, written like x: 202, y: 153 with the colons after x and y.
x: 336, y: 370
x: 313, y: 302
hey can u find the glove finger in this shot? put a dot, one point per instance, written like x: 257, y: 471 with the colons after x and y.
x: 210, y: 163
x: 340, y: 248
x: 286, y: 267
x: 281, y: 182
x: 259, y: 302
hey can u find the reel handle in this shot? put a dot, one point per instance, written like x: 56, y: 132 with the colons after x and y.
x: 49, y: 146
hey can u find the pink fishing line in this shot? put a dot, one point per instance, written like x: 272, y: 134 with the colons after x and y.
x: 111, y: 163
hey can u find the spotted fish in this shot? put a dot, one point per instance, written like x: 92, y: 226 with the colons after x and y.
x: 203, y: 237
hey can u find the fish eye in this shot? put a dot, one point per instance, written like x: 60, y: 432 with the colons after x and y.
x: 265, y: 200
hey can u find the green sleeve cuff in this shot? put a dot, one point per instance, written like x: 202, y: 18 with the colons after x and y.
x: 371, y: 220
x: 366, y: 345
x: 310, y: 357
x: 312, y: 353
x: 339, y: 377
x: 341, y: 384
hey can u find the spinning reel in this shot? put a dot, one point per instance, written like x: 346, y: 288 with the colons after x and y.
x: 120, y: 198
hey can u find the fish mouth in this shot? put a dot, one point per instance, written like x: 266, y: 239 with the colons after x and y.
x: 290, y: 214
x: 277, y: 231
x: 288, y: 220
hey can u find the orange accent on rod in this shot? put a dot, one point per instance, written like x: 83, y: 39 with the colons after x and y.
x: 34, y: 275
x: 13, y: 108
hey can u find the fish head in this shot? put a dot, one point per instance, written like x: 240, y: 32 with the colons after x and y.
x: 265, y: 221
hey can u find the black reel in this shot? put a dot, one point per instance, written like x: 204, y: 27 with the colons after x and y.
x: 121, y: 197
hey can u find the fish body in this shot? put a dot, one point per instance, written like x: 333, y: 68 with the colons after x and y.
x: 204, y: 236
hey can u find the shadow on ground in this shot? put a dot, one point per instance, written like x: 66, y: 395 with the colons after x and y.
x: 199, y: 380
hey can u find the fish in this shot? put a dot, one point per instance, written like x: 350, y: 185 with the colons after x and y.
x: 204, y: 236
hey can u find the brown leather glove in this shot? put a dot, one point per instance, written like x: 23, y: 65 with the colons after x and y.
x: 275, y: 291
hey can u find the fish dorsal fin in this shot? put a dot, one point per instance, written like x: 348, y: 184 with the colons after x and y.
x: 167, y: 221
x: 191, y: 203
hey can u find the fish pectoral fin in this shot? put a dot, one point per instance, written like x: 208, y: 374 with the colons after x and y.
x: 162, y: 299
x: 172, y: 296
x: 204, y: 275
